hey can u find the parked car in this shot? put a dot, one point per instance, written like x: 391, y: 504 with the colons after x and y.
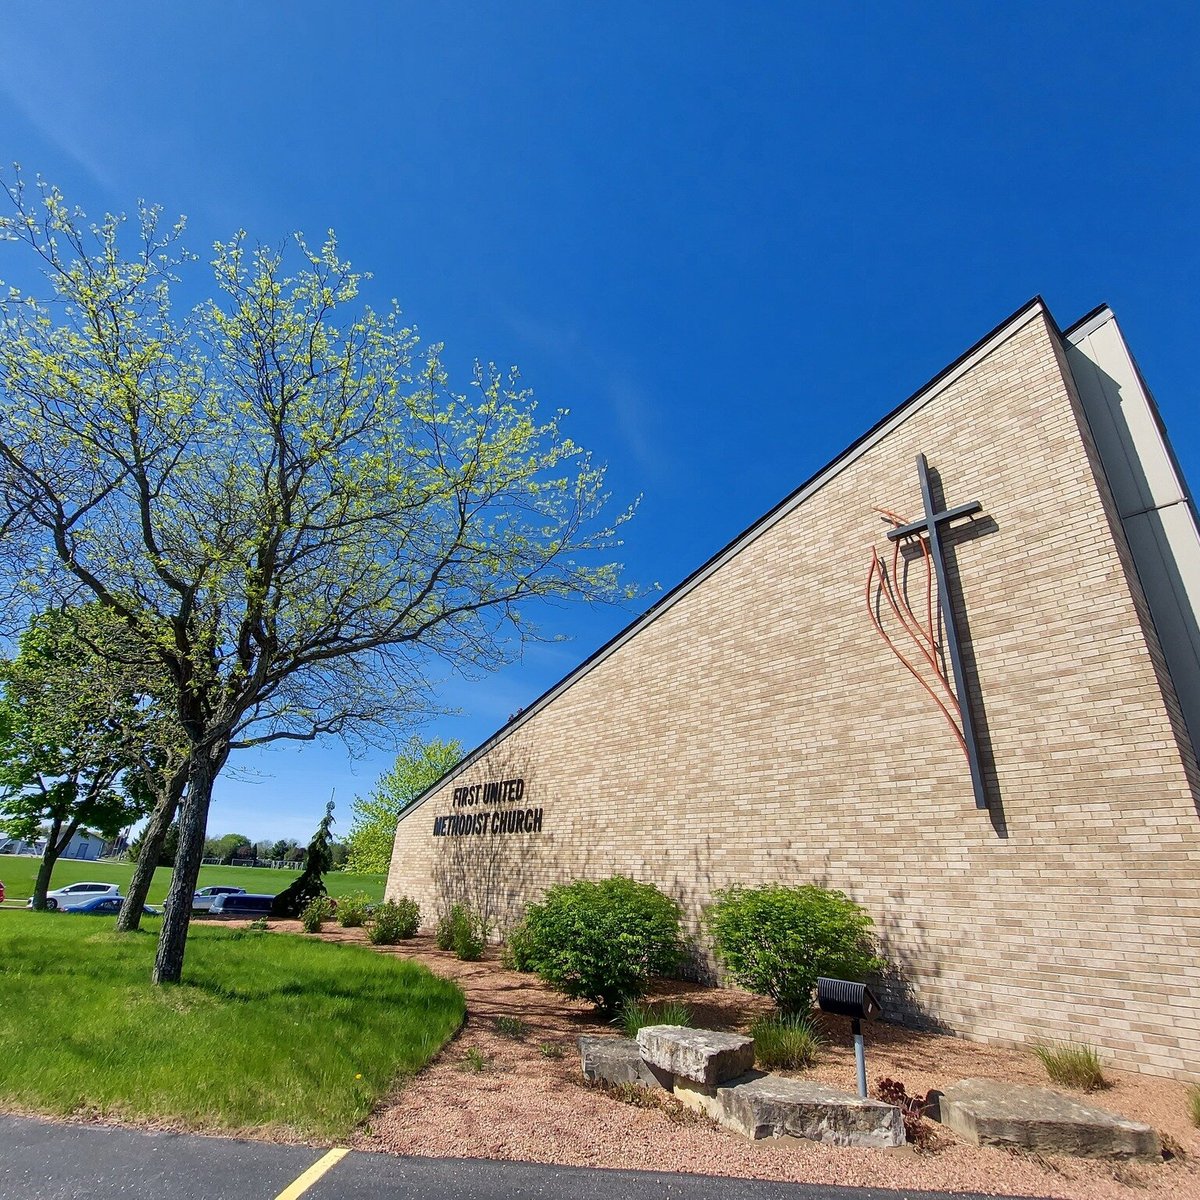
x: 242, y: 904
x: 76, y: 893
x: 105, y: 906
x: 202, y: 900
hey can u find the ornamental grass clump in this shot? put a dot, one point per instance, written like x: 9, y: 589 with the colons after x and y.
x: 786, y: 1042
x: 394, y: 921
x: 603, y: 941
x: 777, y: 941
x: 1072, y: 1065
x: 634, y: 1015
x: 1193, y: 1103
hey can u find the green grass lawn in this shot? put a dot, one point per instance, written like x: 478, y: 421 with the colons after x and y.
x: 18, y: 874
x: 266, y: 1031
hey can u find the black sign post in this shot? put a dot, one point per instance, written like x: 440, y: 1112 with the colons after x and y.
x: 930, y: 526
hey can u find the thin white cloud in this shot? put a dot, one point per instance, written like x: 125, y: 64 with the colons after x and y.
x: 633, y: 409
x: 69, y: 126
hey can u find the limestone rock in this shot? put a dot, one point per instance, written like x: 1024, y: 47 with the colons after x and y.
x: 701, y: 1055
x: 988, y: 1112
x: 618, y: 1060
x: 772, y: 1106
x: 699, y: 1097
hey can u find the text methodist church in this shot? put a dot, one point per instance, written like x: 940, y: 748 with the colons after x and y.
x: 956, y: 674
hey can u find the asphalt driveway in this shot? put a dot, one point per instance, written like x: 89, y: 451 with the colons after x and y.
x: 44, y: 1160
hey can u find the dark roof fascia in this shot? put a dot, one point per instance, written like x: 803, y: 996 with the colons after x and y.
x: 746, y: 536
x: 1068, y: 334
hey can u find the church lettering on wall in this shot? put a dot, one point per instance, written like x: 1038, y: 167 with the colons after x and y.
x: 493, y: 820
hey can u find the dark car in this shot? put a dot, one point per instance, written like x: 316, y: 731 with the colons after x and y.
x: 244, y: 904
x: 204, y: 898
x: 105, y: 906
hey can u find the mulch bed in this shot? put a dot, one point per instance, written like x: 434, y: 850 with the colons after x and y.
x: 529, y: 1102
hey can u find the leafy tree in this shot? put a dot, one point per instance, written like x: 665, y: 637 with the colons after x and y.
x: 280, y: 848
x: 310, y: 884
x: 373, y: 825
x: 277, y: 492
x: 157, y: 780
x: 227, y: 847
x: 65, y: 718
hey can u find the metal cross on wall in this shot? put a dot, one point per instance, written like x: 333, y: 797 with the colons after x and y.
x: 930, y: 526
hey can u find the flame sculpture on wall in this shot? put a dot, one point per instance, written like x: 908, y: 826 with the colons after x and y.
x: 917, y: 641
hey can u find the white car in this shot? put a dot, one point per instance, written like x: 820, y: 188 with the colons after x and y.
x: 77, y: 893
x: 202, y: 900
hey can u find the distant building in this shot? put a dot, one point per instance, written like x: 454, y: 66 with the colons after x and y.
x: 83, y: 845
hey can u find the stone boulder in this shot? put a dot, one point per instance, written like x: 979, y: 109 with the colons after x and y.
x: 700, y: 1055
x: 772, y: 1106
x: 988, y: 1112
x: 618, y: 1060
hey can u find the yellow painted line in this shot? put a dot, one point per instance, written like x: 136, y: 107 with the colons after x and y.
x: 305, y: 1181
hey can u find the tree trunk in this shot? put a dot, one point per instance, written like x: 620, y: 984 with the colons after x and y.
x: 203, y: 767
x: 130, y: 918
x: 55, y: 845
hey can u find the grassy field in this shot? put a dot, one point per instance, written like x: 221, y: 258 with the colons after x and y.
x: 267, y: 1031
x: 18, y: 874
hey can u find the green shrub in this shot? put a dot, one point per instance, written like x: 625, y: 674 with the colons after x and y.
x: 314, y: 912
x: 1076, y: 1066
x: 777, y: 940
x: 443, y: 934
x: 786, y: 1042
x: 352, y: 910
x: 634, y: 1016
x: 393, y: 921
x: 516, y: 955
x: 550, y: 1050
x: 603, y: 941
x: 1193, y: 1103
x: 469, y: 937
x: 511, y: 1027
x: 461, y: 932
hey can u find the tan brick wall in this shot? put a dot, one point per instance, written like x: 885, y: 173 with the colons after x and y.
x: 759, y: 730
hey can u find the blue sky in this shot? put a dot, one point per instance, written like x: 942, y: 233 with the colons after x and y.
x: 728, y: 237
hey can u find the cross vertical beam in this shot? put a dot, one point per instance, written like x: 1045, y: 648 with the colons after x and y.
x: 931, y: 527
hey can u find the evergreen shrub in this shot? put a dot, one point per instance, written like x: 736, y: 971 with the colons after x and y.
x: 603, y: 941
x: 394, y: 921
x: 777, y: 940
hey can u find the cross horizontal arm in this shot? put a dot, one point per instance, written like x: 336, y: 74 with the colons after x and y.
x: 951, y: 514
